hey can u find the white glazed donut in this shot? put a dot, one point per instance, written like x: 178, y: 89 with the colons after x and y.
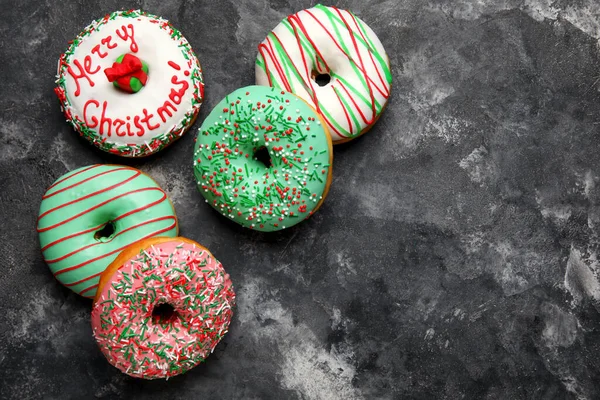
x: 130, y: 83
x: 326, y: 41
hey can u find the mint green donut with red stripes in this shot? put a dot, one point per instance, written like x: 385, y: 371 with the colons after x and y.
x: 92, y: 213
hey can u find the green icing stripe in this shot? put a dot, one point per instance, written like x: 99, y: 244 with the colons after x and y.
x: 353, y: 64
x: 311, y: 53
x: 81, y: 203
x: 358, y: 94
x: 352, y: 115
x: 330, y: 120
x: 242, y: 188
x: 382, y: 62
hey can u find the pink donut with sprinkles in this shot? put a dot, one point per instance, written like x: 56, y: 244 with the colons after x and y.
x: 161, y: 307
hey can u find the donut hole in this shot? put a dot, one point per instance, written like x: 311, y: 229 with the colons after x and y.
x: 106, y: 233
x: 163, y: 313
x: 321, y: 79
x: 262, y: 154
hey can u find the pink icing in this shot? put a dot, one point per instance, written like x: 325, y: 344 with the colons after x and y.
x: 177, y: 273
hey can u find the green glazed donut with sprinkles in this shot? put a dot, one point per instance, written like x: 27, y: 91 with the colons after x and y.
x: 263, y: 158
x: 130, y: 83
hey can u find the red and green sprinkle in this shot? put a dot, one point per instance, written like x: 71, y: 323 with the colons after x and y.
x: 182, y: 275
x: 242, y: 188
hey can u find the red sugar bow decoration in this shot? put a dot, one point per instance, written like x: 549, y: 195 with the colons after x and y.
x: 124, y: 69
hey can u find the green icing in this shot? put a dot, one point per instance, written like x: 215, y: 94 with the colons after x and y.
x: 243, y: 188
x: 81, y: 203
x: 135, y: 85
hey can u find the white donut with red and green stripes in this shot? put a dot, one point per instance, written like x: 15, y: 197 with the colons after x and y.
x: 334, y: 61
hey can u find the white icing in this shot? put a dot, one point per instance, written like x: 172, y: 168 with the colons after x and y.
x: 156, y: 48
x: 338, y: 61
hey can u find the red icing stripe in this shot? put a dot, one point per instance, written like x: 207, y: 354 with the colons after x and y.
x: 363, y: 66
x: 95, y: 207
x: 357, y: 106
x: 46, y: 196
x: 100, y: 243
x: 75, y: 174
x: 149, y: 205
x: 86, y: 279
x: 88, y: 289
x: 46, y: 247
x: 371, y: 56
x: 108, y: 254
x: 384, y: 93
x: 345, y: 113
x: 278, y: 67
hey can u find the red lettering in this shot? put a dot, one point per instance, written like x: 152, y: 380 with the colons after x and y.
x: 118, y: 123
x: 136, y: 122
x: 174, y: 65
x: 96, y: 50
x: 104, y: 120
x: 83, y: 73
x: 128, y: 35
x: 146, y: 120
x: 184, y: 84
x: 164, y: 109
x: 177, y: 95
x: 107, y: 41
x: 94, y: 120
x: 128, y: 125
x: 87, y: 65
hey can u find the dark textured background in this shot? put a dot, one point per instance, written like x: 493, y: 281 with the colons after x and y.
x: 455, y: 257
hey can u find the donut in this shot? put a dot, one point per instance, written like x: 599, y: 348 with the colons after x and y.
x: 162, y: 307
x: 91, y: 214
x: 130, y: 83
x: 263, y: 158
x: 335, y: 62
